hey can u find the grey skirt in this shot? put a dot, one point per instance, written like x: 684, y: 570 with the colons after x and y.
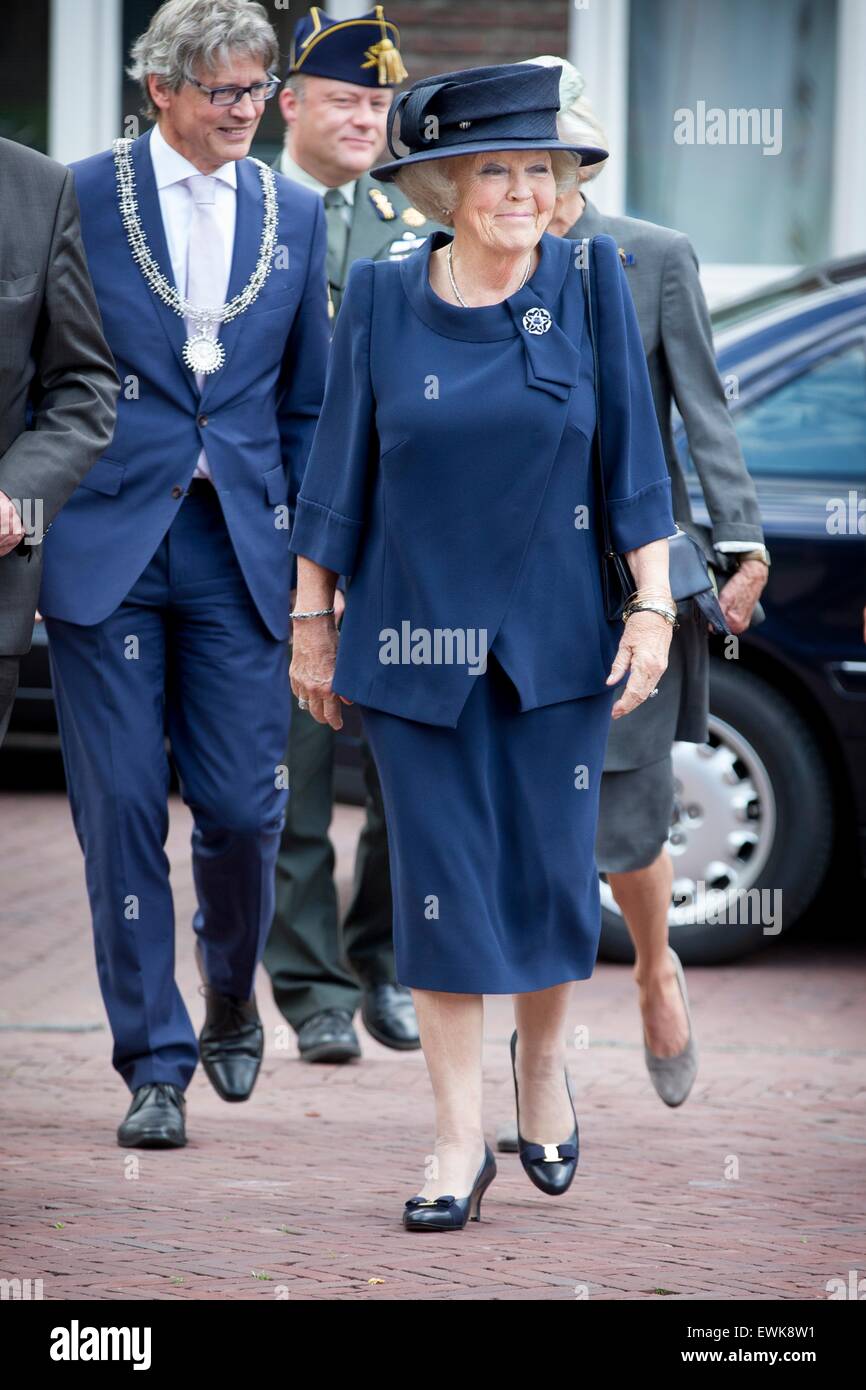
x: 677, y: 714
x: 637, y: 789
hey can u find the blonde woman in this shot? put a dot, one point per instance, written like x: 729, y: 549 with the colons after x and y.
x: 450, y: 478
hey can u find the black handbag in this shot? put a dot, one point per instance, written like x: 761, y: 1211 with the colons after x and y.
x: 691, y: 579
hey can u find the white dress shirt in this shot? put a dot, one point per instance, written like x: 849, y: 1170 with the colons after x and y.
x: 171, y: 170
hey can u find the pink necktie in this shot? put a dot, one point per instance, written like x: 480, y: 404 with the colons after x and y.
x: 206, y: 280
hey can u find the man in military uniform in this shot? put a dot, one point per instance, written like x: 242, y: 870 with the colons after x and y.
x: 339, y: 88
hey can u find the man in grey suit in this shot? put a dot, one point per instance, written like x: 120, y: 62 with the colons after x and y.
x: 637, y: 792
x: 54, y: 360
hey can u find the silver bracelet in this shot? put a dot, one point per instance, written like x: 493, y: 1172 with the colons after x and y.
x: 644, y: 606
x: 317, y: 613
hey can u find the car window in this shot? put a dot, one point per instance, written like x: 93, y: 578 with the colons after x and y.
x: 811, y: 426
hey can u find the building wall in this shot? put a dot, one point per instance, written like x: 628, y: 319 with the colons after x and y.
x: 62, y: 90
x: 441, y: 36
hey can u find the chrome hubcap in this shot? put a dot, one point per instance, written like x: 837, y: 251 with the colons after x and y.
x: 723, y: 826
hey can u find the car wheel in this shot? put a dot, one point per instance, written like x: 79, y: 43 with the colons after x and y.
x: 752, y: 829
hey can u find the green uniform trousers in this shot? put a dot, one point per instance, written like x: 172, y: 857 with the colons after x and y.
x: 313, y: 964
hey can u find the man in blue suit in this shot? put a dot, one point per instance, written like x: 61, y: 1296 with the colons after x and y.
x: 167, y: 578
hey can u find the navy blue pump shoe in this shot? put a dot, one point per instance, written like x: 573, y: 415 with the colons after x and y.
x: 550, y: 1166
x: 451, y: 1213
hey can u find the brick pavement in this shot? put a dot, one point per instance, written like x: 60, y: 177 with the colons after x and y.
x: 298, y: 1193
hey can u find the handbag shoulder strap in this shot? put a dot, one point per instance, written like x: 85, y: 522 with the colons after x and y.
x: 587, y: 266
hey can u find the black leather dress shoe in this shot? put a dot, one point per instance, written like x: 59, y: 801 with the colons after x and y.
x: 232, y: 1040
x: 506, y: 1138
x: 389, y: 1016
x: 155, y: 1118
x: 231, y: 1044
x: 328, y: 1036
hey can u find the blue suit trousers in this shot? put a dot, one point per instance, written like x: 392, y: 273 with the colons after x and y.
x: 186, y: 653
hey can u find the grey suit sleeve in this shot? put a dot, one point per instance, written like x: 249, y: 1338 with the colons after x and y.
x: 687, y: 339
x: 75, y: 386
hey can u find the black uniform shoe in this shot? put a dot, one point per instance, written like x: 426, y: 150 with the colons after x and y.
x: 389, y: 1016
x: 155, y: 1118
x: 328, y: 1036
x: 231, y: 1044
x: 506, y: 1138
x: 232, y: 1040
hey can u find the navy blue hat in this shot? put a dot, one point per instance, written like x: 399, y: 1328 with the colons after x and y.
x: 365, y: 50
x: 508, y: 106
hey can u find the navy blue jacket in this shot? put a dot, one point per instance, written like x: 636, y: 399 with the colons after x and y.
x: 450, y: 478
x: 255, y: 416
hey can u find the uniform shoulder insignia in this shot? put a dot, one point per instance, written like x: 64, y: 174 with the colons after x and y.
x: 383, y: 205
x: 412, y: 217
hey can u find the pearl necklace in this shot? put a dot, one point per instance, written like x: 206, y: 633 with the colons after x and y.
x: 457, y: 293
x: 201, y: 352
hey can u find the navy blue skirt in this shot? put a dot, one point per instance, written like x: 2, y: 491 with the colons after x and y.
x: 491, y: 835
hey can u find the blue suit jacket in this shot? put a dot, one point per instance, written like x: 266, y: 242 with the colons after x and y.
x: 255, y: 416
x: 450, y: 477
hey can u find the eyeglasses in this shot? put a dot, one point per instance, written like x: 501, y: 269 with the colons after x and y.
x: 230, y: 96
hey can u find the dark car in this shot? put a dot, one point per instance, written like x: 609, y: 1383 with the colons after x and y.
x: 781, y: 785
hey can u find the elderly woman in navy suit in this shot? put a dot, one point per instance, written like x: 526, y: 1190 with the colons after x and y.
x: 450, y: 479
